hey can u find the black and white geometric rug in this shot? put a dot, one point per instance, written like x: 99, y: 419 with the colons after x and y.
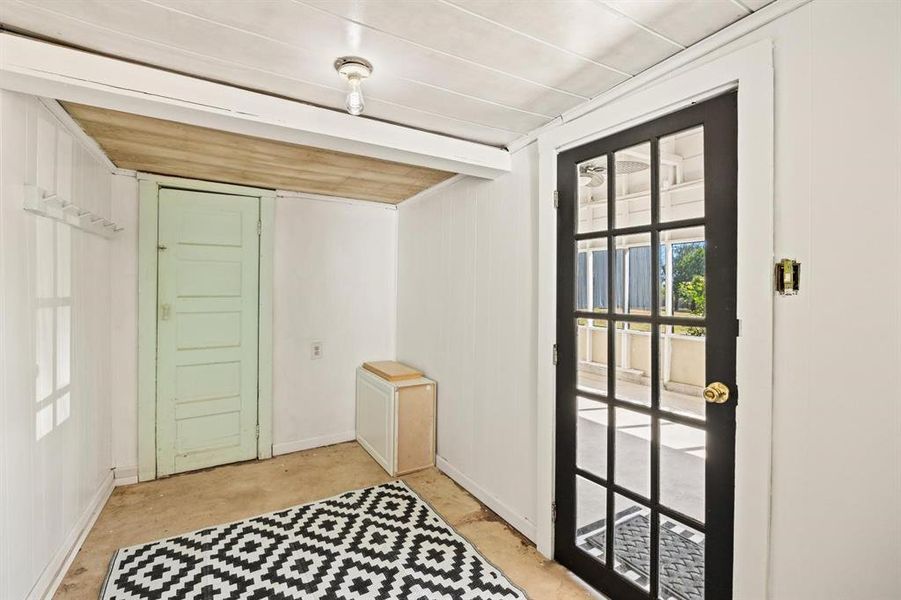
x: 379, y: 543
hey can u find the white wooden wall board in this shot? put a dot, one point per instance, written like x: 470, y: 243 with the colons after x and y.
x: 751, y: 71
x: 465, y: 317
x: 87, y: 142
x: 354, y: 201
x: 47, y: 70
x: 435, y: 188
x: 125, y: 476
x: 468, y: 68
x: 313, y: 400
x: 59, y: 565
x: 751, y: 23
x: 516, y: 520
x: 56, y: 470
x: 313, y: 442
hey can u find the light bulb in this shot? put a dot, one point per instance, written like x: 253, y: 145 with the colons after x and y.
x: 354, y: 101
x: 353, y: 70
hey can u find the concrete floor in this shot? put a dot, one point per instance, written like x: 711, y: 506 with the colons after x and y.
x: 682, y: 460
x: 148, y: 511
x: 692, y: 405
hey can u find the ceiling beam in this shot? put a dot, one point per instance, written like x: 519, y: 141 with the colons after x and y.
x: 43, y: 69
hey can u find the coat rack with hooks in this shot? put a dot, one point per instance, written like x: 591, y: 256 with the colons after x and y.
x: 51, y: 206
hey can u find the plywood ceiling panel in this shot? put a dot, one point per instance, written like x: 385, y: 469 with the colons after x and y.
x: 169, y: 148
x: 485, y: 70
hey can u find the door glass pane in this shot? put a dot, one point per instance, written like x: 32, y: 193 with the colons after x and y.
x: 683, y: 263
x: 683, y: 367
x: 633, y: 276
x: 682, y: 175
x: 582, y: 295
x: 632, y: 541
x: 681, y: 561
x: 591, y: 436
x: 683, y: 454
x: 591, y: 275
x: 591, y: 354
x: 591, y: 208
x: 633, y: 363
x: 591, y: 518
x: 633, y: 186
x: 633, y: 451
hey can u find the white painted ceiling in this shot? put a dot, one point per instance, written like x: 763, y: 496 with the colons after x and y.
x: 484, y: 70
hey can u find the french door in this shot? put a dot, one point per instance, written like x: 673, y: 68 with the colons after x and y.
x: 646, y: 328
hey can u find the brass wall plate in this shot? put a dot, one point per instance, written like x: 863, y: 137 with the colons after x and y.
x: 788, y: 277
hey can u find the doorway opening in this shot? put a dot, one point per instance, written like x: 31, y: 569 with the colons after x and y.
x: 205, y: 325
x: 646, y: 332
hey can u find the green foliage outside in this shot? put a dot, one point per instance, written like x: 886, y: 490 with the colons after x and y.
x: 689, y: 282
x: 694, y: 292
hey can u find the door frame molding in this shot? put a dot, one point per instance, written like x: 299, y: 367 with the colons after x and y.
x: 148, y: 221
x: 750, y: 70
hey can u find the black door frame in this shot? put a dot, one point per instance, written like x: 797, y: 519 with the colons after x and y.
x: 719, y: 117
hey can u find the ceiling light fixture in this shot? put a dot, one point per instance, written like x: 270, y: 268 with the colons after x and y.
x: 354, y: 70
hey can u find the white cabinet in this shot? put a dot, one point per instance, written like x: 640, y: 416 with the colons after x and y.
x: 396, y: 421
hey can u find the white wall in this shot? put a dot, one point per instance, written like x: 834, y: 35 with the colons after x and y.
x: 124, y: 329
x: 837, y: 424
x: 335, y: 283
x: 54, y: 369
x: 836, y: 527
x: 466, y: 316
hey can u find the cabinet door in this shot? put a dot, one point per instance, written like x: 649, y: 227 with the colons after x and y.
x: 375, y: 418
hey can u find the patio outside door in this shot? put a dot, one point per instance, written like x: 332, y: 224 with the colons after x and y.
x: 646, y: 331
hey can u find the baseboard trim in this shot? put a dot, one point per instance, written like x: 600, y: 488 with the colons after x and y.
x: 314, y: 442
x: 55, y: 571
x: 516, y: 521
x: 125, y: 475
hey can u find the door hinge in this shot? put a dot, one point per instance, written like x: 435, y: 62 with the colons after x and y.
x: 556, y: 354
x: 556, y: 199
x: 258, y: 432
x: 554, y: 511
x: 259, y: 228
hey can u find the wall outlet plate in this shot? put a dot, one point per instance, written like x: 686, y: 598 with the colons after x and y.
x: 316, y: 350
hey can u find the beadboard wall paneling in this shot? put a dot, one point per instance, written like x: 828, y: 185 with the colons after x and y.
x: 466, y: 317
x: 54, y: 349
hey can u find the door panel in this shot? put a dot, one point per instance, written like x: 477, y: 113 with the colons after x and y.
x: 646, y: 320
x: 208, y: 293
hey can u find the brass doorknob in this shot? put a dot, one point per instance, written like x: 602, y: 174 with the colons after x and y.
x: 716, y: 393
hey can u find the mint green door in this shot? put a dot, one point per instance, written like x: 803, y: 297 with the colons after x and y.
x: 207, y: 342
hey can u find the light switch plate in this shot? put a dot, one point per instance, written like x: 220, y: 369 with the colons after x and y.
x: 316, y: 350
